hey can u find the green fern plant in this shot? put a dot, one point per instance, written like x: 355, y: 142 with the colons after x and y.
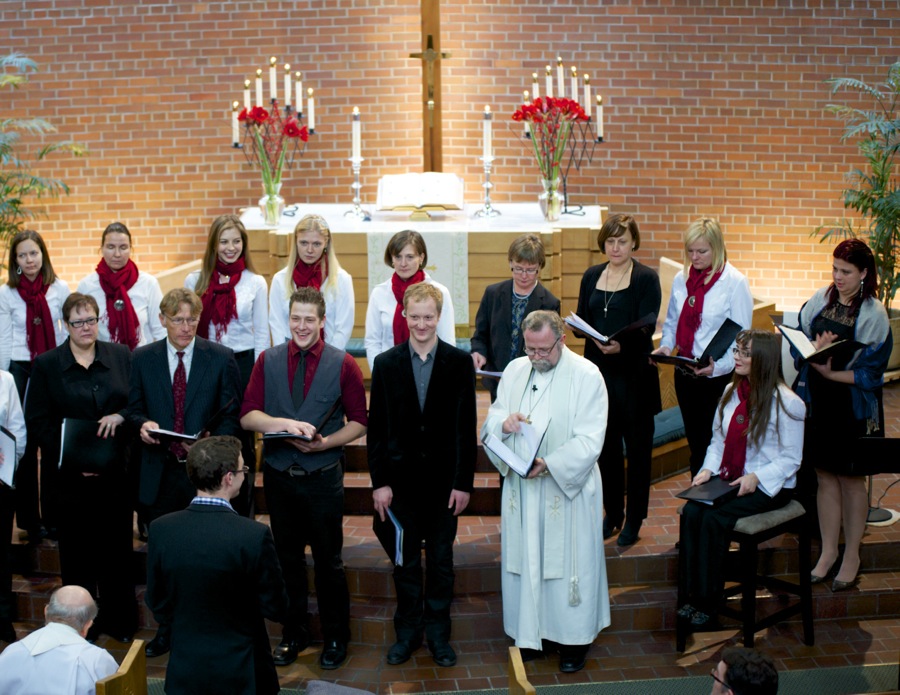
x: 874, y: 193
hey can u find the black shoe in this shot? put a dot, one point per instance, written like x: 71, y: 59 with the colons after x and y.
x: 333, y: 654
x: 530, y: 654
x: 443, y: 653
x: 572, y: 658
x: 158, y: 646
x: 629, y: 534
x: 286, y: 651
x: 7, y: 631
x: 400, y: 651
x: 609, y: 528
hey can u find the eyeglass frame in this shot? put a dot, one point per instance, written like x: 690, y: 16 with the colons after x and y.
x: 541, y: 352
x: 78, y: 323
x: 743, y: 352
x: 243, y: 469
x: 181, y: 320
x: 519, y: 270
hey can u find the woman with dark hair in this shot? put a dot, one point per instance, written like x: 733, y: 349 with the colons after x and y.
x: 757, y: 442
x: 497, y: 339
x: 385, y: 323
x: 313, y: 262
x: 87, y: 379
x: 30, y: 324
x: 844, y: 399
x: 128, y: 297
x: 614, y: 295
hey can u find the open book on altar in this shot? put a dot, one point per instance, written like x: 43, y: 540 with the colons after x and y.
x: 433, y: 189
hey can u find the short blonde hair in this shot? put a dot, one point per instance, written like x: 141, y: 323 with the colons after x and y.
x: 422, y: 292
x: 174, y: 298
x: 707, y: 229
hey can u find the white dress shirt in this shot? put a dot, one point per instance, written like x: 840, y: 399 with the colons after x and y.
x: 777, y: 458
x: 13, y: 337
x: 145, y: 296
x: 729, y: 298
x: 340, y: 309
x: 380, y: 319
x: 54, y: 660
x: 187, y: 358
x: 250, y: 330
x: 13, y: 419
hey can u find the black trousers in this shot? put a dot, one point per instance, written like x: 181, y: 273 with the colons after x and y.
x: 704, y: 540
x: 424, y: 606
x: 309, y: 511
x: 7, y: 600
x: 95, y: 545
x: 698, y: 398
x: 32, y: 500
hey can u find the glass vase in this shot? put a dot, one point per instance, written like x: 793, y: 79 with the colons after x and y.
x: 550, y: 200
x: 271, y: 205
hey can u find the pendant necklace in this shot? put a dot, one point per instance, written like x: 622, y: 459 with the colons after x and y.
x: 607, y: 300
x: 532, y: 404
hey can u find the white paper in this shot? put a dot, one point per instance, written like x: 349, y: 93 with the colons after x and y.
x: 579, y: 324
x: 8, y: 447
x: 531, y: 441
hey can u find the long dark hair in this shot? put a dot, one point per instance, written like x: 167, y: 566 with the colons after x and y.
x: 857, y: 253
x: 48, y: 275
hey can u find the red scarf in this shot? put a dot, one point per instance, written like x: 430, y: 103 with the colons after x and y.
x: 124, y: 326
x: 310, y: 275
x: 401, y: 328
x: 692, y: 309
x: 735, y: 455
x: 219, y: 299
x: 38, y: 322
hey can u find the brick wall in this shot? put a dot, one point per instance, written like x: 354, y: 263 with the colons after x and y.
x: 713, y: 107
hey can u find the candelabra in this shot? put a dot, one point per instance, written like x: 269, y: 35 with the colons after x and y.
x: 357, y: 211
x: 487, y: 209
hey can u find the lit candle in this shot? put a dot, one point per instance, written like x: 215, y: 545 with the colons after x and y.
x: 599, y: 117
x: 587, y: 96
x: 311, y: 110
x: 273, y: 92
x: 299, y: 92
x: 487, y: 134
x: 548, y: 83
x: 525, y: 123
x: 560, y: 87
x: 259, y: 87
x: 534, y: 85
x: 287, y: 84
x: 356, y: 149
x: 574, y: 83
x: 247, y: 94
x: 235, y: 127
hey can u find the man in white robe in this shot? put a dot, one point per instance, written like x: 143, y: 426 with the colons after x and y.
x: 554, y: 570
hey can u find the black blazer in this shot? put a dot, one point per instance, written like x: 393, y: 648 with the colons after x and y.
x: 212, y: 382
x: 492, y: 337
x: 422, y: 453
x: 214, y: 576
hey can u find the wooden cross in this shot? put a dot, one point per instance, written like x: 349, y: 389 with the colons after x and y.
x: 431, y: 85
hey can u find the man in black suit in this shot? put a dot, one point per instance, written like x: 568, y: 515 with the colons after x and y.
x: 214, y: 576
x: 422, y: 447
x: 178, y: 384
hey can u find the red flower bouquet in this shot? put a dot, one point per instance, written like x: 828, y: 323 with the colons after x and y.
x: 270, y: 149
x: 549, y: 123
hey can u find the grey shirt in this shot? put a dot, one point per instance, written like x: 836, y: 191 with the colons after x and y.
x: 422, y: 371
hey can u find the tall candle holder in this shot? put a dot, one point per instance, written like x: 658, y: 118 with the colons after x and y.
x: 357, y: 211
x: 487, y: 210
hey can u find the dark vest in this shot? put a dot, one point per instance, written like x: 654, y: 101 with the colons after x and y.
x: 323, y: 392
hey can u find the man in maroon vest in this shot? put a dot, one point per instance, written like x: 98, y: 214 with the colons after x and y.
x: 307, y: 388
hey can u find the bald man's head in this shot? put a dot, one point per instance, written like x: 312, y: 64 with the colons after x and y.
x: 73, y: 606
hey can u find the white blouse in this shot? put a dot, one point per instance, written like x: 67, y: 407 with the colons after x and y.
x: 13, y: 338
x: 380, y: 319
x: 340, y: 309
x: 729, y: 298
x: 777, y: 459
x: 11, y: 415
x: 145, y: 296
x: 250, y: 330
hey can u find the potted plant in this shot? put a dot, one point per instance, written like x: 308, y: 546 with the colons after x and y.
x: 873, y: 192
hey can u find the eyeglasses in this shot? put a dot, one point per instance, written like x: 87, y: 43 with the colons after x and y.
x: 720, y: 681
x: 78, y: 323
x: 242, y: 469
x: 519, y: 270
x: 745, y: 354
x: 541, y: 352
x: 180, y: 320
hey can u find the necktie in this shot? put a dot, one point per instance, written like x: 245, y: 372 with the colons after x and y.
x: 299, y: 378
x: 179, y: 389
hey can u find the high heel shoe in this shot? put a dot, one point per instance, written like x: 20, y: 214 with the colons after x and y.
x: 816, y: 579
x: 838, y: 585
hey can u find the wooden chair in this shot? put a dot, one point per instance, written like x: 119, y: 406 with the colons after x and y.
x: 518, y: 681
x: 131, y: 678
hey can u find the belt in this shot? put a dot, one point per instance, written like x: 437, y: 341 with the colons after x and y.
x: 299, y: 472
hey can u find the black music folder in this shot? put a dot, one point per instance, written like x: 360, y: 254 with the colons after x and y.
x: 713, y: 492
x: 717, y: 347
x: 82, y: 451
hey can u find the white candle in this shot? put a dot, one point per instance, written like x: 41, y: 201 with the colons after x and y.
x: 599, y: 117
x: 311, y: 110
x: 259, y: 88
x: 299, y: 91
x: 247, y: 94
x: 356, y: 126
x: 287, y: 84
x: 235, y: 127
x: 487, y: 133
x: 534, y: 85
x: 548, y: 83
x: 525, y: 123
x: 273, y: 92
x: 587, y: 96
x: 574, y: 83
x: 560, y: 87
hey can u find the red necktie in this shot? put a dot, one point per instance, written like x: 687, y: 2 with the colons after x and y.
x: 179, y: 389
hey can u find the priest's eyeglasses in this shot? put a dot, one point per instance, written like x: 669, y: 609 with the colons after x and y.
x: 78, y: 323
x: 541, y: 352
x: 181, y: 320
